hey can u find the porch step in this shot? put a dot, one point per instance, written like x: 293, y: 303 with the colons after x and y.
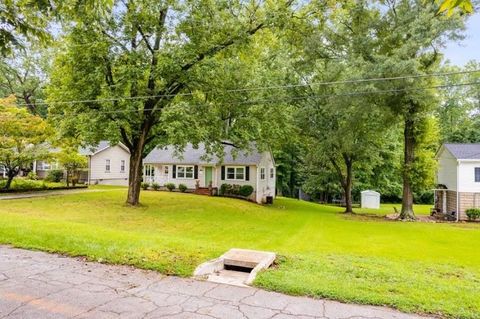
x: 205, y: 191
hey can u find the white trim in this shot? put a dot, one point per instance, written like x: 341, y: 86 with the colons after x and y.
x: 107, y: 160
x: 185, y: 172
x: 235, y: 173
x: 264, y: 173
x: 458, y: 191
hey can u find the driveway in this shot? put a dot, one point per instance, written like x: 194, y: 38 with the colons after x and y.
x: 40, y: 285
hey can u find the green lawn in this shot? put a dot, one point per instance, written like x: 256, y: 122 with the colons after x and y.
x: 420, y: 267
x: 386, y: 209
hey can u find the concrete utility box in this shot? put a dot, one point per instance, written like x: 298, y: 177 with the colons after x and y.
x: 370, y: 199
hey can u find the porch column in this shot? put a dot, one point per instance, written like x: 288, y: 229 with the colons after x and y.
x: 444, y: 200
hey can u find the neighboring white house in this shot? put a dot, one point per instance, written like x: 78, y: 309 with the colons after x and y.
x: 107, y: 165
x: 164, y: 165
x: 458, y: 179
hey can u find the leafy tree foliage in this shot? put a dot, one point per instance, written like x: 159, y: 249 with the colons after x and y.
x: 147, y: 68
x: 21, y: 138
x: 72, y: 162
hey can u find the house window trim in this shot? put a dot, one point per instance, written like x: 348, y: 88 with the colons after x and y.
x: 235, y: 173
x: 108, y: 166
x: 475, y: 174
x: 166, y: 170
x: 272, y: 172
x: 185, y: 172
x: 263, y: 173
x: 122, y: 166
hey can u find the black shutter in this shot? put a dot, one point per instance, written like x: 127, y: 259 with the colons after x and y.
x: 174, y: 171
x: 247, y: 173
x: 195, y: 172
x: 223, y: 173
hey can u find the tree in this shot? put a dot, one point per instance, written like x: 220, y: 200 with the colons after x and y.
x: 411, y: 36
x: 21, y: 138
x: 449, y: 6
x: 25, y: 76
x: 23, y: 20
x: 72, y: 162
x: 143, y: 70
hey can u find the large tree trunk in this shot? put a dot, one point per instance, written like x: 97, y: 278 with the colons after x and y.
x: 11, y: 173
x: 135, y: 174
x: 409, y: 158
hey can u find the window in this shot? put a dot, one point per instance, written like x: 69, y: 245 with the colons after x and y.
x: 43, y: 166
x: 165, y: 170
x: 272, y: 172
x: 477, y: 174
x: 122, y: 166
x: 149, y: 171
x: 185, y: 172
x: 236, y: 173
x: 107, y: 166
x: 262, y: 173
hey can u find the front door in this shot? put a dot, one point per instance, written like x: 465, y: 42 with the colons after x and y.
x: 208, y: 176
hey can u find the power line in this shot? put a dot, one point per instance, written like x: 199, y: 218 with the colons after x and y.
x: 315, y: 97
x: 261, y: 88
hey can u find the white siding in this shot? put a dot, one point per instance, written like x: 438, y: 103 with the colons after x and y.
x: 267, y: 186
x: 447, y: 170
x: 98, y: 173
x: 466, y: 174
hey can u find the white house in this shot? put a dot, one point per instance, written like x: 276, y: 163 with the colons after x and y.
x: 107, y: 164
x: 458, y: 179
x: 164, y: 165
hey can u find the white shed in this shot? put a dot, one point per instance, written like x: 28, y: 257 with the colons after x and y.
x: 370, y: 199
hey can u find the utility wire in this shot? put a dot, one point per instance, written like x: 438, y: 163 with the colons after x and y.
x: 380, y: 79
x: 315, y: 97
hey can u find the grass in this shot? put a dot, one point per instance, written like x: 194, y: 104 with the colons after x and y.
x: 386, y: 209
x: 415, y: 267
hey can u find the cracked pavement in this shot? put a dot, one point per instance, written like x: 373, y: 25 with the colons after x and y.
x: 40, y: 285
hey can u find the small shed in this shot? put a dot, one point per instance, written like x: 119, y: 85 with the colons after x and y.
x: 370, y: 199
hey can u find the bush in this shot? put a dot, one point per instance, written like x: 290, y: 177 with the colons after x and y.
x: 473, y: 213
x: 182, y: 188
x: 246, y: 190
x: 156, y: 186
x: 55, y: 176
x: 32, y: 176
x: 170, y: 186
x: 145, y: 186
x: 237, y: 190
x: 225, y: 189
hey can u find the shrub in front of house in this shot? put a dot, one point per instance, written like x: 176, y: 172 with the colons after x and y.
x: 55, y: 176
x: 182, y: 188
x: 170, y: 186
x: 236, y: 190
x: 225, y: 189
x: 32, y: 176
x: 156, y: 186
x: 473, y: 213
x: 145, y: 186
x: 246, y: 190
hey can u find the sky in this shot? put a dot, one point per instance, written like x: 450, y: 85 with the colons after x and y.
x: 468, y: 49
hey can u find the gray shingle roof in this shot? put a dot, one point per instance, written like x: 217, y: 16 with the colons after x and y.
x: 464, y: 151
x: 166, y: 155
x: 92, y: 149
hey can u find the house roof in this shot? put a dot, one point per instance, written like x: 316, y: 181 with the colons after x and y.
x: 94, y: 149
x: 464, y: 151
x: 191, y: 155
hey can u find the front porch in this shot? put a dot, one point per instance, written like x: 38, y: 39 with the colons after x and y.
x: 193, y: 176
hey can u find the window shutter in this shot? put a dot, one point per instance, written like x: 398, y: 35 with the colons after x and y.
x: 247, y: 173
x: 174, y: 171
x: 223, y: 173
x: 195, y: 172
